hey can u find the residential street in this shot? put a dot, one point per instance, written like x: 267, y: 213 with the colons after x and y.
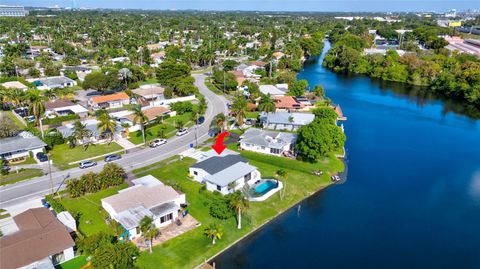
x: 22, y: 191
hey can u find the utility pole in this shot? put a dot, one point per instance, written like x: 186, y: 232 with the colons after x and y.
x: 196, y: 125
x: 50, y: 172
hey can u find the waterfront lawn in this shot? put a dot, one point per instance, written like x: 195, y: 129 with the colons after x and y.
x: 23, y: 174
x: 192, y: 248
x: 62, y: 155
x: 92, y: 215
x: 74, y: 263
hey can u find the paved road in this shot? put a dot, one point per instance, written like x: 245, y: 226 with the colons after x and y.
x: 22, y: 191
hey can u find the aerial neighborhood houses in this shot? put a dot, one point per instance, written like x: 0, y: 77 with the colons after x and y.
x: 147, y: 197
x: 226, y: 173
x: 20, y: 147
x: 36, y: 239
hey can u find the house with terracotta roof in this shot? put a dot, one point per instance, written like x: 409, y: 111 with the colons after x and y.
x: 109, y: 101
x: 152, y: 113
x: 239, y: 76
x: 147, y: 197
x: 288, y: 103
x: 41, y: 241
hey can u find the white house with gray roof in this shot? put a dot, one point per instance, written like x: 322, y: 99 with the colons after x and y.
x: 268, y: 142
x: 49, y: 83
x: 285, y: 120
x: 148, y: 197
x: 225, y: 174
x: 20, y: 146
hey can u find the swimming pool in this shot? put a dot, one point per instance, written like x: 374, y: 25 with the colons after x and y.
x: 265, y: 187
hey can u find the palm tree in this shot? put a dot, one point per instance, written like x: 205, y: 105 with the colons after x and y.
x: 80, y: 132
x: 106, y: 124
x: 179, y: 124
x: 220, y: 121
x: 49, y: 94
x: 125, y: 74
x: 214, y: 232
x: 149, y: 230
x: 239, y: 108
x: 141, y: 118
x: 267, y: 105
x: 37, y: 109
x: 238, y: 202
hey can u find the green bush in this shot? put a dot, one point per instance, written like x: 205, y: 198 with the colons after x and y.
x: 60, y: 119
x: 220, y: 209
x: 58, y: 207
x: 111, y: 175
x: 182, y: 107
x: 54, y: 138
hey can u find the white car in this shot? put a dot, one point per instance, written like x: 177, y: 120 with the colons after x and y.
x: 182, y: 131
x: 157, y: 142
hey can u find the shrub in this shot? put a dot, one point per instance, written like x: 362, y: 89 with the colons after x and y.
x: 220, y: 209
x: 182, y: 107
x: 54, y: 138
x: 58, y: 207
x: 111, y: 175
x: 88, y: 245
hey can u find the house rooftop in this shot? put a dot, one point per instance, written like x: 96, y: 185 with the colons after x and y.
x: 53, y: 82
x: 110, y: 97
x: 288, y: 102
x: 23, y: 141
x: 230, y: 173
x: 268, y: 138
x: 58, y: 103
x: 14, y: 85
x: 216, y: 164
x: 41, y: 235
x: 149, y: 92
x: 271, y: 89
x: 151, y: 113
x: 287, y: 118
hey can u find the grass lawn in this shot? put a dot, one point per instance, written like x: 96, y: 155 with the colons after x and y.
x: 90, y: 208
x: 252, y: 115
x: 192, y: 248
x: 151, y: 133
x: 148, y: 81
x: 212, y: 87
x: 74, y: 263
x: 62, y: 155
x: 15, y: 120
x: 24, y: 174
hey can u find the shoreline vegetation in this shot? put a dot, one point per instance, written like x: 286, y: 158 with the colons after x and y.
x: 437, y: 71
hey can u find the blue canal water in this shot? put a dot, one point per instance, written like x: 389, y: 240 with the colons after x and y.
x: 411, y: 198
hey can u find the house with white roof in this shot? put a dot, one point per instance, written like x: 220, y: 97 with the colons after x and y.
x: 49, y: 83
x: 273, y: 90
x: 20, y: 146
x: 148, y: 197
x: 63, y: 107
x: 14, y: 85
x: 268, y: 142
x: 225, y: 174
x: 285, y: 120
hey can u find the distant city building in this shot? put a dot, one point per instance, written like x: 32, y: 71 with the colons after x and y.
x: 12, y: 11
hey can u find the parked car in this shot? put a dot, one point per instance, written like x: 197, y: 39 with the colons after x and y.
x: 113, y: 157
x: 157, y: 142
x: 42, y: 157
x: 201, y: 120
x: 87, y: 164
x: 22, y: 111
x: 30, y: 118
x: 182, y: 131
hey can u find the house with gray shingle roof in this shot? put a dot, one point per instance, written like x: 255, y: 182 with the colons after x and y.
x: 225, y: 173
x: 20, y: 146
x: 49, y: 83
x: 268, y: 142
x: 285, y: 120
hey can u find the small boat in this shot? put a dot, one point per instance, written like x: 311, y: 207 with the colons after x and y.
x: 335, y: 178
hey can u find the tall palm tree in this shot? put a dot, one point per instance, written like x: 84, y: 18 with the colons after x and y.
x: 37, y: 109
x: 80, y: 132
x: 214, y: 232
x: 220, y: 121
x: 148, y: 229
x: 106, y: 124
x: 239, y: 108
x: 49, y: 94
x: 140, y: 118
x: 239, y: 203
x: 125, y: 74
x: 267, y: 105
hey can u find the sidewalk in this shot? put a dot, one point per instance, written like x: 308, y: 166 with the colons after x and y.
x: 124, y: 143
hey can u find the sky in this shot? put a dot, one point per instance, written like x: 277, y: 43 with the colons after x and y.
x: 265, y: 5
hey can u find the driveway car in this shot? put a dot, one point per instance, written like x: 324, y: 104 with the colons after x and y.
x: 42, y: 157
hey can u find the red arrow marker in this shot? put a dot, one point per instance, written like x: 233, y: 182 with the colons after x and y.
x: 219, y: 147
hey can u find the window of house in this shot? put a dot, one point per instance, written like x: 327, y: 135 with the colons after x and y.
x: 195, y: 173
x: 137, y: 230
x: 166, y: 218
x: 219, y: 188
x: 247, y: 177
